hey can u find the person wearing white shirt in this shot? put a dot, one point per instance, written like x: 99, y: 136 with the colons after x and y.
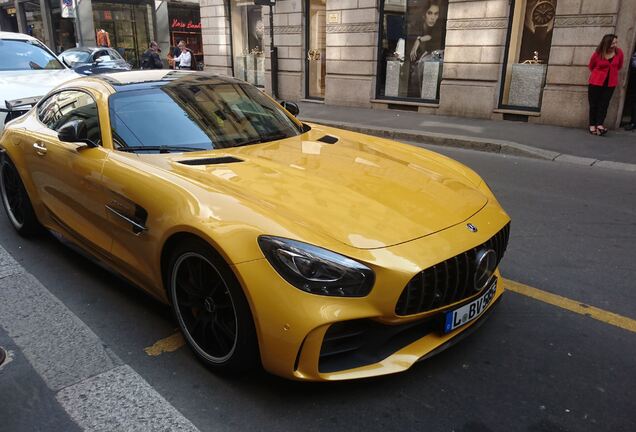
x: 185, y: 58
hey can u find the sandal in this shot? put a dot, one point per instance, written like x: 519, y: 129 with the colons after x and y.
x: 593, y: 130
x: 601, y: 130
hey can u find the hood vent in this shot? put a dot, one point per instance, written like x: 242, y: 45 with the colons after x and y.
x: 328, y: 139
x: 210, y: 161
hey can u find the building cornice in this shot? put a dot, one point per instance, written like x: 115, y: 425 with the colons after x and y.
x: 585, y: 21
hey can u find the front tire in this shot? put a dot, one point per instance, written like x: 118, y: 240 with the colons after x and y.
x: 16, y: 200
x: 210, y: 308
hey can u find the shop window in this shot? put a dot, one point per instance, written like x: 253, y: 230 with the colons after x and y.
x: 128, y: 27
x: 528, y: 52
x: 185, y: 25
x: 411, y: 51
x: 247, y: 42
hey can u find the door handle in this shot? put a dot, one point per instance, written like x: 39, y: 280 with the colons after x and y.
x: 40, y: 148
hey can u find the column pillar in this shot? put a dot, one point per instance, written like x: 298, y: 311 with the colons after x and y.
x: 47, y: 24
x: 20, y: 16
x: 215, y: 31
x: 352, y: 38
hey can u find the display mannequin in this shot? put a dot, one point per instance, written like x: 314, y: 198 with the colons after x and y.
x: 103, y: 38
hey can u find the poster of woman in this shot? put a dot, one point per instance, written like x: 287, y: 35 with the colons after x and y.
x: 426, y: 30
x: 412, y: 48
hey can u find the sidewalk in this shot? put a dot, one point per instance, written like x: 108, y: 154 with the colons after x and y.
x: 615, y: 150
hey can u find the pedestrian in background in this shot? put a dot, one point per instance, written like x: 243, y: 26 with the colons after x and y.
x: 150, y: 58
x: 185, y: 58
x: 604, y: 65
x: 632, y: 84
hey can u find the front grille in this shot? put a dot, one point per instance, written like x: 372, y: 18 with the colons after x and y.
x: 449, y: 281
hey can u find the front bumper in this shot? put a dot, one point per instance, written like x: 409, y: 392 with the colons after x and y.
x: 292, y: 325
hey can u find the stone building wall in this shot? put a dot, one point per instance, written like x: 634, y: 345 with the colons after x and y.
x: 289, y: 39
x: 216, y: 36
x: 352, y: 44
x: 579, y: 27
x: 475, y: 46
x: 475, y: 42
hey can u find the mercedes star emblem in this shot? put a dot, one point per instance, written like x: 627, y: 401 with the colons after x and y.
x: 486, y: 263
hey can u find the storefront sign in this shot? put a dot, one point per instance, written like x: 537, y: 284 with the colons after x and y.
x: 178, y: 24
x: 67, y: 8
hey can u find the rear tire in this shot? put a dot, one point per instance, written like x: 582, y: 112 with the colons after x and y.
x: 210, y: 308
x: 16, y: 201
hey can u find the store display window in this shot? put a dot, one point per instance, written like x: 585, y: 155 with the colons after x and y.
x: 247, y: 42
x: 411, y: 53
x: 125, y: 27
x: 528, y: 52
x: 185, y: 25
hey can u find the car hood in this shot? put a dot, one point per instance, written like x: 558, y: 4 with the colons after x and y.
x: 24, y: 84
x: 360, y: 191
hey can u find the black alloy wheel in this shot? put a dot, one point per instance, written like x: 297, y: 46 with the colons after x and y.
x: 16, y: 200
x: 211, y: 308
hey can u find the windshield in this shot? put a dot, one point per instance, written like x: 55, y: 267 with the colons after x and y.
x: 71, y: 57
x: 191, y: 116
x: 25, y: 55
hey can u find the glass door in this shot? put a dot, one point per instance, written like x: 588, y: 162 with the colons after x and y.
x: 315, y: 44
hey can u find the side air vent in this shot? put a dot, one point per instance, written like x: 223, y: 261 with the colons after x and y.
x: 328, y: 139
x: 210, y: 161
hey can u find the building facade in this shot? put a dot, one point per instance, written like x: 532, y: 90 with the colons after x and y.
x: 127, y: 25
x: 500, y: 59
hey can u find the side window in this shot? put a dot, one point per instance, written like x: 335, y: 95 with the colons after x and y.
x: 114, y: 54
x: 47, y: 110
x: 70, y: 105
x: 100, y: 54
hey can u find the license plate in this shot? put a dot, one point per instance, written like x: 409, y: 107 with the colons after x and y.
x: 468, y: 312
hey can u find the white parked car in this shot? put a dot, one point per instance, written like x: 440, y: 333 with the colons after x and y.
x: 28, y: 70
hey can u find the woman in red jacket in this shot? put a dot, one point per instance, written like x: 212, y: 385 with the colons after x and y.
x: 604, y: 65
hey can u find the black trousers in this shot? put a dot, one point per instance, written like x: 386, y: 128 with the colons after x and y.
x: 599, y: 98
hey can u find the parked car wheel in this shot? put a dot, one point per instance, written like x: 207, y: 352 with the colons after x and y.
x: 211, y: 309
x: 16, y: 200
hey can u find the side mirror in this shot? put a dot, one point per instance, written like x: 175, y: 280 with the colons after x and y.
x: 291, y: 107
x: 75, y: 131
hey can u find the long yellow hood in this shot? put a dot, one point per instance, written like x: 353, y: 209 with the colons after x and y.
x: 363, y: 192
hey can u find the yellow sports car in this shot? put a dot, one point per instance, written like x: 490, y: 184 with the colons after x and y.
x: 319, y: 253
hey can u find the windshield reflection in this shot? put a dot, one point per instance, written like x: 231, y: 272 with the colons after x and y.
x: 195, y: 114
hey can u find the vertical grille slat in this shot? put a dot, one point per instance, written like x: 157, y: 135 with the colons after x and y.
x: 449, y: 281
x: 446, y: 284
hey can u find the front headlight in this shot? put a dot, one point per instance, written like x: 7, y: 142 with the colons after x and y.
x: 317, y: 270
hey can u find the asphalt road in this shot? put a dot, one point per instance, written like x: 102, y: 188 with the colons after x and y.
x: 531, y: 367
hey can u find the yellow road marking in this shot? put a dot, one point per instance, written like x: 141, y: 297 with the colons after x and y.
x: 176, y: 341
x: 169, y: 344
x: 572, y: 305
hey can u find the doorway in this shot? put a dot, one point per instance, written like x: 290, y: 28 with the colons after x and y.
x: 629, y: 108
x: 316, y: 52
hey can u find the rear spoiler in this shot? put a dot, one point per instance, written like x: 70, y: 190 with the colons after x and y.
x: 25, y: 102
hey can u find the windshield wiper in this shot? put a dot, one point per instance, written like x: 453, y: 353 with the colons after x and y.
x: 160, y: 149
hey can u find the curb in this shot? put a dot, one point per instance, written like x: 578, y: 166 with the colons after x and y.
x: 510, y: 148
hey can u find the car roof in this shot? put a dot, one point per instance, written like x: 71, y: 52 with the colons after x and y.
x: 142, y: 79
x: 12, y: 35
